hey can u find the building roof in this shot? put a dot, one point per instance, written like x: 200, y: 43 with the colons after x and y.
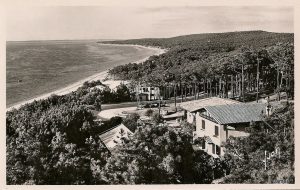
x: 237, y: 113
x: 113, y: 135
x: 195, y: 105
x: 174, y: 115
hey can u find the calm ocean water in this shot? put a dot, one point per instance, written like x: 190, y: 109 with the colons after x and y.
x: 35, y: 68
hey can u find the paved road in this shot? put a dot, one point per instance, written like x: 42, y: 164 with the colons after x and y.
x: 132, y: 104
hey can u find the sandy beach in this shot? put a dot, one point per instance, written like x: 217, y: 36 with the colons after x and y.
x: 99, y: 76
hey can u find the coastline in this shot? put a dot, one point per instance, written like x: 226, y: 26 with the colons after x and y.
x: 99, y: 76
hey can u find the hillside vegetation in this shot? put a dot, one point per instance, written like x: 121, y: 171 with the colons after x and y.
x: 215, y: 41
x: 230, y: 64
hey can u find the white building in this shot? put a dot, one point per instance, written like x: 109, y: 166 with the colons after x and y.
x: 215, y: 124
x: 146, y: 93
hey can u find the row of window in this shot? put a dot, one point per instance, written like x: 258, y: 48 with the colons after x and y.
x: 146, y: 89
x: 216, y: 128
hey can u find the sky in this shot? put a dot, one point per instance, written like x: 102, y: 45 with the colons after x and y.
x: 120, y: 22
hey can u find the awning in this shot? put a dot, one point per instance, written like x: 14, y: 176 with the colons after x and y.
x: 208, y: 139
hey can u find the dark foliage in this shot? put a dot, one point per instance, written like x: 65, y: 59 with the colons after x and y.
x: 245, y: 155
x: 52, y: 143
x: 55, y: 141
x: 160, y: 155
x: 131, y: 121
x: 217, y: 63
x: 214, y: 41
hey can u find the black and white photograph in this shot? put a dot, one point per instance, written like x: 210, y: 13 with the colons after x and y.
x: 148, y: 94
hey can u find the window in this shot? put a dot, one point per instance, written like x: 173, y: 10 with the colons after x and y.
x: 203, y: 124
x: 203, y: 144
x: 218, y: 150
x: 216, y: 131
x: 213, y: 148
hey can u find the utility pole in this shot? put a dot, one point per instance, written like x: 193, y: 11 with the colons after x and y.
x: 257, y: 79
x: 175, y: 94
x: 159, y: 100
x: 265, y: 160
x: 277, y: 85
x: 243, y: 93
x: 138, y: 94
x: 181, y: 91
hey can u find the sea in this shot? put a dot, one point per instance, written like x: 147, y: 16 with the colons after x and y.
x: 34, y: 68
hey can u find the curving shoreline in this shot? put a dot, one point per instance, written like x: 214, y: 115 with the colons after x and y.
x: 99, y: 76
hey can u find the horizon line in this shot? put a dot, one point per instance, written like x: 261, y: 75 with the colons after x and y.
x: 116, y: 39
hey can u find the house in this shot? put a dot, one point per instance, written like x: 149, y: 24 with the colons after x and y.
x: 114, y: 136
x: 146, y: 93
x: 192, y: 107
x: 215, y: 124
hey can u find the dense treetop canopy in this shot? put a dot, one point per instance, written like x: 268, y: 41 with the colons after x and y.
x: 215, y: 41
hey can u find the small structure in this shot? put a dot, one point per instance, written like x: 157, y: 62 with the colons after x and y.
x: 146, y: 93
x: 174, y: 119
x: 115, y: 136
x: 171, y: 117
x: 215, y: 124
x: 174, y: 116
x: 275, y: 97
